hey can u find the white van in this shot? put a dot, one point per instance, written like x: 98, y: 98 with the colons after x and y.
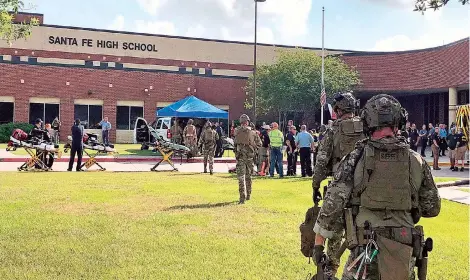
x: 162, y: 126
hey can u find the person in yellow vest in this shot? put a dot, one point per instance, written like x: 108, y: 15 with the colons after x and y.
x: 276, y: 139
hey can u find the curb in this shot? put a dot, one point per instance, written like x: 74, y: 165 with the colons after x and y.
x: 453, y: 183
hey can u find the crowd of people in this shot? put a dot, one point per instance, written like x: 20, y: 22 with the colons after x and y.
x: 441, y: 140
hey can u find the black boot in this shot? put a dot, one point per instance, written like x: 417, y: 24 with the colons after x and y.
x: 211, y: 172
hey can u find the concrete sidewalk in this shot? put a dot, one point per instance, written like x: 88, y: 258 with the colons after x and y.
x: 455, y: 194
x: 10, y: 157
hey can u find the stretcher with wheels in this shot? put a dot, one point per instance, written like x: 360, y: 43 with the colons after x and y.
x: 93, y: 149
x: 167, y: 155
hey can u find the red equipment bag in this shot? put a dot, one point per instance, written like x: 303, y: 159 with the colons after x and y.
x: 19, y: 135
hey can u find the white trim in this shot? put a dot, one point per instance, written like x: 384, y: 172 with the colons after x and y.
x: 130, y: 103
x: 7, y: 99
x: 231, y: 73
x: 223, y: 107
x: 61, y: 61
x: 88, y: 102
x: 151, y: 67
x: 164, y: 104
x: 44, y: 100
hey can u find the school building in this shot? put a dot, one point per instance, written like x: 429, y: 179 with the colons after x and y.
x: 74, y: 72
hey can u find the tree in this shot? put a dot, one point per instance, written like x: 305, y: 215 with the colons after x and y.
x: 423, y: 5
x: 293, y: 83
x: 10, y: 31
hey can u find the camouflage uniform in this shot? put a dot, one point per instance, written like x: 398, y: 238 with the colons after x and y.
x: 349, y: 187
x: 190, y: 137
x: 246, y: 144
x: 176, y: 134
x: 207, y: 141
x: 329, y: 154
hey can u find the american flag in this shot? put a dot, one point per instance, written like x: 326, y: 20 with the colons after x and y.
x: 323, y: 97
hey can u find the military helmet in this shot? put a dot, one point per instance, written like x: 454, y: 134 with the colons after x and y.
x: 383, y: 111
x: 244, y: 118
x: 344, y: 101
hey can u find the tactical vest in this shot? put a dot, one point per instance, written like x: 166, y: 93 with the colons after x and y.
x: 347, y: 133
x: 208, y: 136
x: 190, y: 130
x: 243, y: 136
x: 386, y: 179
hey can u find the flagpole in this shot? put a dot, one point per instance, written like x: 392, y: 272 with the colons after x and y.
x: 322, y: 59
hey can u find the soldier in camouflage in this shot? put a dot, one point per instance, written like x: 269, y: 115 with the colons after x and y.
x: 190, y: 137
x: 208, y: 142
x: 384, y: 187
x: 246, y: 144
x: 176, y: 133
x: 339, y: 140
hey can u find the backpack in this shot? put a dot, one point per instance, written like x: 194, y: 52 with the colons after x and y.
x: 307, y: 235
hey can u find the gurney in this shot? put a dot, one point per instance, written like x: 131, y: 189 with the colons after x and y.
x: 41, y: 153
x: 93, y: 149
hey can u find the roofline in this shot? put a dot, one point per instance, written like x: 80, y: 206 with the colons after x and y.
x: 345, y: 52
x: 27, y: 14
x: 364, y: 53
x: 187, y: 38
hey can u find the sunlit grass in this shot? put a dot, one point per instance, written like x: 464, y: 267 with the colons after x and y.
x: 174, y: 226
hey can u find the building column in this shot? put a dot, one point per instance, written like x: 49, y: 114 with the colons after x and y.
x: 452, y: 105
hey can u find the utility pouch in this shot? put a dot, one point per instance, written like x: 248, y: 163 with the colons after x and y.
x: 403, y: 235
x: 418, y: 237
x: 351, y: 233
x: 394, y: 259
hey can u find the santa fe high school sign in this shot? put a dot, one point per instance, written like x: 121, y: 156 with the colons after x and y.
x: 132, y: 46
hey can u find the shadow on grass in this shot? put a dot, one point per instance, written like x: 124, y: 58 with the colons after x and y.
x: 201, y: 206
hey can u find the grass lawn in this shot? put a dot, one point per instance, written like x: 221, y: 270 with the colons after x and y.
x: 168, y: 226
x: 122, y: 149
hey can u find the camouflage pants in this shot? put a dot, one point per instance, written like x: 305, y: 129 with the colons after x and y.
x: 176, y: 140
x: 244, y: 171
x: 209, y: 155
x: 191, y: 144
x: 333, y: 247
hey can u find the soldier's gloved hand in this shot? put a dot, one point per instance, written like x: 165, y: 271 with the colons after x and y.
x: 318, y: 253
x: 316, y: 195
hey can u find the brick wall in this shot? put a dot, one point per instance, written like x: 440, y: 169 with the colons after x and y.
x: 26, y: 17
x: 50, y: 81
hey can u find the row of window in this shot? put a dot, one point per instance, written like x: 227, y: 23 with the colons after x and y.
x: 89, y: 115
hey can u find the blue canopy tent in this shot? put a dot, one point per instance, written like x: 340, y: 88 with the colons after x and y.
x: 192, y: 107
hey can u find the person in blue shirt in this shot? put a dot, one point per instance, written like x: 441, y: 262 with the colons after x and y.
x: 443, y: 135
x: 304, y: 142
x: 105, y: 128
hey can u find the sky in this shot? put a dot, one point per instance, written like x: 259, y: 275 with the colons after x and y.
x: 362, y: 25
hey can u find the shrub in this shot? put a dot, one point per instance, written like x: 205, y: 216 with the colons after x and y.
x: 7, y: 129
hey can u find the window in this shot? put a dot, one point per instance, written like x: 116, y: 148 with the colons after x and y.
x: 159, y: 124
x: 127, y: 115
x: 44, y: 111
x: 7, y: 109
x: 90, y: 115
